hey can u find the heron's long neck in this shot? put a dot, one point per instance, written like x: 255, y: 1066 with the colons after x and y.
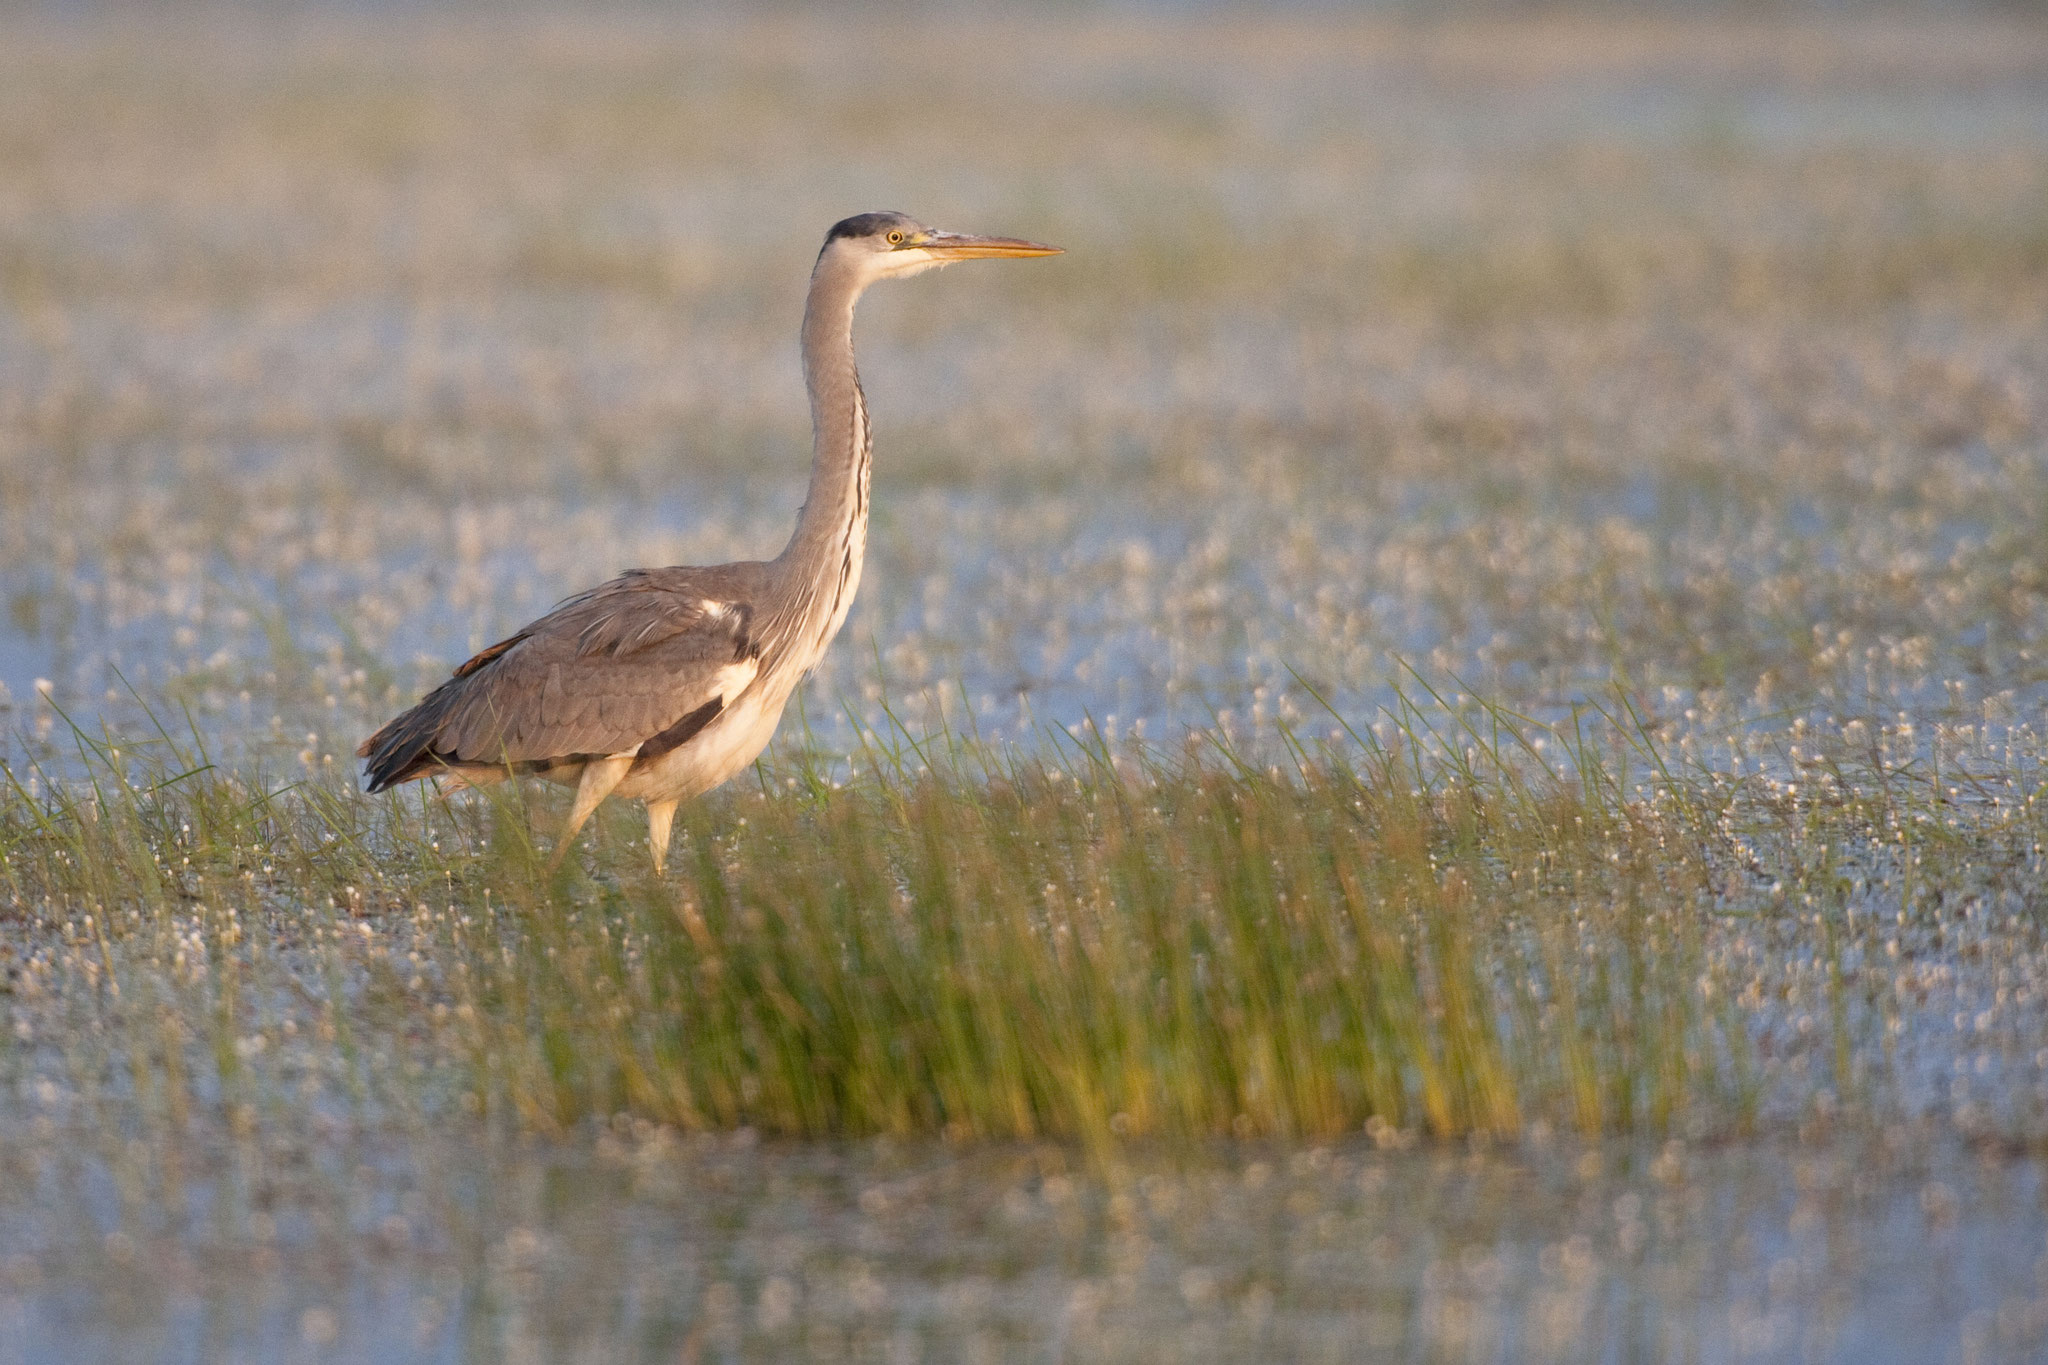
x: 823, y: 558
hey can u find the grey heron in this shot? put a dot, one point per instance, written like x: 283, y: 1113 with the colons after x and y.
x: 664, y: 683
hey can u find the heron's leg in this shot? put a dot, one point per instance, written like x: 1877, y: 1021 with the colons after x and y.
x: 660, y: 815
x: 600, y: 775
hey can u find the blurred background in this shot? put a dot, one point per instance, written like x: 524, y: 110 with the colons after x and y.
x: 1696, y: 351
x: 1698, y: 346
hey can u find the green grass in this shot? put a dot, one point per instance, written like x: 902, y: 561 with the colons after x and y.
x: 1476, y: 926
x: 1469, y: 937
x: 1186, y: 949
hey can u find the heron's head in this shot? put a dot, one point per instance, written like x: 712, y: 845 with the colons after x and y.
x: 887, y: 246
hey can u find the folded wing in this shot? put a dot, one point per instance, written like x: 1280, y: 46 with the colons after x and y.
x: 637, y: 666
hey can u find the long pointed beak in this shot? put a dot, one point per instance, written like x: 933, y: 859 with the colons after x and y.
x: 957, y: 246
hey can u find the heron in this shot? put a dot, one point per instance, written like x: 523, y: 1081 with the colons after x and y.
x: 663, y: 683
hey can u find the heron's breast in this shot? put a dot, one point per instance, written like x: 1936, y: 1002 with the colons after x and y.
x: 716, y: 754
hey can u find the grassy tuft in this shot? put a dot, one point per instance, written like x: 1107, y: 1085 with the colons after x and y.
x: 1186, y: 949
x: 980, y: 946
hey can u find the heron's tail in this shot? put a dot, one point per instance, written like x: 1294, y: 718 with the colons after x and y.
x: 405, y: 749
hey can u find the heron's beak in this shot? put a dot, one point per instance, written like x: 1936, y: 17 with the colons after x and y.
x: 956, y: 246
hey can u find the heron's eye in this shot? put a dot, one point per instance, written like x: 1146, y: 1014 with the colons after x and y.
x: 896, y: 238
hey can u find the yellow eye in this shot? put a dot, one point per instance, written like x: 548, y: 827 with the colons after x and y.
x: 896, y: 238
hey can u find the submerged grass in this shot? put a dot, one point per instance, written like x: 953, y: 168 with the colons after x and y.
x: 957, y: 941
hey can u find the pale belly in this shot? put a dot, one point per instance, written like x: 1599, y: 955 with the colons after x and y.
x: 720, y: 752
x: 724, y: 748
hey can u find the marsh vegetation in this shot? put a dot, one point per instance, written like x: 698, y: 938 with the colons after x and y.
x: 1443, y: 745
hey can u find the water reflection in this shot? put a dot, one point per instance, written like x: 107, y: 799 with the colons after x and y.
x: 1903, y: 1246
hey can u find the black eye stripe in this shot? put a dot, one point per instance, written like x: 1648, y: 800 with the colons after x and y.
x: 863, y: 224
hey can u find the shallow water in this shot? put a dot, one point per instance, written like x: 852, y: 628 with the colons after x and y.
x: 1500, y: 409
x: 1698, y: 364
x: 1902, y: 1247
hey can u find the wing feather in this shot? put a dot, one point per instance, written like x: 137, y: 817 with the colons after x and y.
x: 603, y: 673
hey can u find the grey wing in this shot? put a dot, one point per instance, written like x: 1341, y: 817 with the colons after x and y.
x: 635, y: 666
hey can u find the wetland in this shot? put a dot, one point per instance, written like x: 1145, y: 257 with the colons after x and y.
x: 1440, y: 757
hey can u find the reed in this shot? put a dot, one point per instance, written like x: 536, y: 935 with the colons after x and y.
x: 1095, y: 944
